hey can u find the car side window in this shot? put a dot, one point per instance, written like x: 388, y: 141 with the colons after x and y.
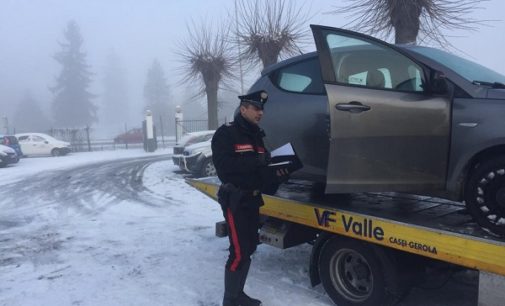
x: 37, y: 138
x: 301, y: 77
x: 362, y: 63
x: 23, y: 138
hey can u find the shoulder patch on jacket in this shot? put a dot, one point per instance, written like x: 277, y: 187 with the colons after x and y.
x: 243, y: 148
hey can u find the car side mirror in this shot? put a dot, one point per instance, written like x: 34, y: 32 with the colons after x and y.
x: 439, y: 83
x: 46, y: 142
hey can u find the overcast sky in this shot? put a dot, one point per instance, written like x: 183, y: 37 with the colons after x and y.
x: 140, y: 31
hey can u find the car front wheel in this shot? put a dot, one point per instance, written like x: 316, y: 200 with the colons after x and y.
x: 56, y: 152
x: 485, y: 195
x: 208, y: 168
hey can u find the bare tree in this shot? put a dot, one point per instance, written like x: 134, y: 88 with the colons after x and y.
x: 409, y: 18
x: 207, y: 59
x: 269, y: 30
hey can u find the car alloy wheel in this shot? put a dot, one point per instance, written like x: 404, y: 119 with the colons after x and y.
x: 485, y: 195
x: 208, y: 168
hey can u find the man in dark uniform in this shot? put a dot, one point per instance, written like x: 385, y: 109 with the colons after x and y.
x: 240, y: 159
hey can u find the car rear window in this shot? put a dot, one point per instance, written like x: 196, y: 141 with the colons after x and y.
x: 301, y: 77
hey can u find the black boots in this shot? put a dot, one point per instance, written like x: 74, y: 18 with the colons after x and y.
x: 244, y: 299
x: 234, y: 288
x: 232, y: 281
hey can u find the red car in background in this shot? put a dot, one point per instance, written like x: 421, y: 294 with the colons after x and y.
x: 132, y: 136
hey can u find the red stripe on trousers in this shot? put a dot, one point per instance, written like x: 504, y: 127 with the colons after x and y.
x: 234, y: 238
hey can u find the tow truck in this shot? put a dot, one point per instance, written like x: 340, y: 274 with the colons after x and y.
x: 369, y: 248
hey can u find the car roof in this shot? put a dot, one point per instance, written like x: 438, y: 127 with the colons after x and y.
x: 27, y: 134
x: 288, y: 61
x: 198, y: 133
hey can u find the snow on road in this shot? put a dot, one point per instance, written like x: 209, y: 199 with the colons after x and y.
x: 157, y: 251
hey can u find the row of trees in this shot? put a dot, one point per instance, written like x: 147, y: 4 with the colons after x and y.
x: 268, y: 30
x: 265, y: 30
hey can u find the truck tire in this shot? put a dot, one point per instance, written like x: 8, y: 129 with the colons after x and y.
x: 208, y: 168
x: 485, y: 195
x: 358, y: 273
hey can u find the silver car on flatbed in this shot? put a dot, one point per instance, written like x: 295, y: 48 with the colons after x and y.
x: 365, y: 115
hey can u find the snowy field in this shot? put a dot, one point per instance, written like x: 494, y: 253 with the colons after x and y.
x: 65, y: 241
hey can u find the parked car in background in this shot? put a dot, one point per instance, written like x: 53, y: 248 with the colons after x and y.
x: 187, y: 140
x: 33, y: 144
x: 7, y: 156
x: 11, y: 141
x: 365, y: 115
x: 135, y: 135
x: 197, y: 159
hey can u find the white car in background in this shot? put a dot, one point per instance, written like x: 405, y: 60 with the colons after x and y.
x: 187, y: 140
x: 197, y: 159
x: 33, y: 144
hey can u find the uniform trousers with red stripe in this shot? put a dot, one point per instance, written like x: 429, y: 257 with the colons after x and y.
x: 243, y: 224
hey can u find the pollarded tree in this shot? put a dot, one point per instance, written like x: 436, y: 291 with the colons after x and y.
x: 157, y: 94
x: 207, y: 59
x: 269, y: 30
x: 72, y: 105
x: 409, y: 18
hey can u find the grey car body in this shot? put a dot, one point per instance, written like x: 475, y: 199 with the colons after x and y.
x: 365, y: 115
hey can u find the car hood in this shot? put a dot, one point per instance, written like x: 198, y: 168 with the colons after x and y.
x: 496, y: 93
x: 7, y: 149
x: 198, y: 146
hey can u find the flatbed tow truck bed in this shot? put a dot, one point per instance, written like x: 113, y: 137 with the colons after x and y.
x: 425, y: 226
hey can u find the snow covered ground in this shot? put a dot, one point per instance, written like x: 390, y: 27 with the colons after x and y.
x: 157, y: 248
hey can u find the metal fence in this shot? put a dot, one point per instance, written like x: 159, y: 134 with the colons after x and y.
x: 81, y: 140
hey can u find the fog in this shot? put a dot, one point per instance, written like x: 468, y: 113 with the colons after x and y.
x: 136, y: 33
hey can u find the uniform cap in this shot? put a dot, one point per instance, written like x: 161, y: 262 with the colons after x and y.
x: 257, y: 98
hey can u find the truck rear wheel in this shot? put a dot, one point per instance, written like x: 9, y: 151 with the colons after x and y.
x: 485, y: 195
x: 359, y: 273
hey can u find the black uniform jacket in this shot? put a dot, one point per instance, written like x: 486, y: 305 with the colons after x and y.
x: 236, y: 150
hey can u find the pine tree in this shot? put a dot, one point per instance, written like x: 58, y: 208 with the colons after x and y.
x: 72, y: 105
x: 29, y: 117
x: 157, y: 96
x: 115, y: 103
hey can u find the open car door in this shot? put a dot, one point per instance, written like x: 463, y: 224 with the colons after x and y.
x: 387, y: 132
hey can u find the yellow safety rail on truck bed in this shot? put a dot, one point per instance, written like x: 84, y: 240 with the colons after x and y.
x: 469, y: 251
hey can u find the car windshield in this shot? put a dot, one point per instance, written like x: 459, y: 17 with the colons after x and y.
x: 191, y: 138
x: 467, y: 69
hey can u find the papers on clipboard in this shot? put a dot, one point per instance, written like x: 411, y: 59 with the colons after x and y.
x: 285, y: 157
x: 286, y: 150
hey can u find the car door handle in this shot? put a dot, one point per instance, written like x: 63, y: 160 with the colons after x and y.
x: 353, y: 107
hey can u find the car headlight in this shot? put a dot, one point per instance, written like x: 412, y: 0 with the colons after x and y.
x: 3, y: 154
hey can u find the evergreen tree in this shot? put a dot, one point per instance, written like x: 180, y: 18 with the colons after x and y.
x: 115, y: 103
x: 72, y: 105
x: 29, y: 117
x: 157, y: 96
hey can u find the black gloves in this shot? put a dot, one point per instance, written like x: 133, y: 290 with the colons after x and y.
x: 263, y: 159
